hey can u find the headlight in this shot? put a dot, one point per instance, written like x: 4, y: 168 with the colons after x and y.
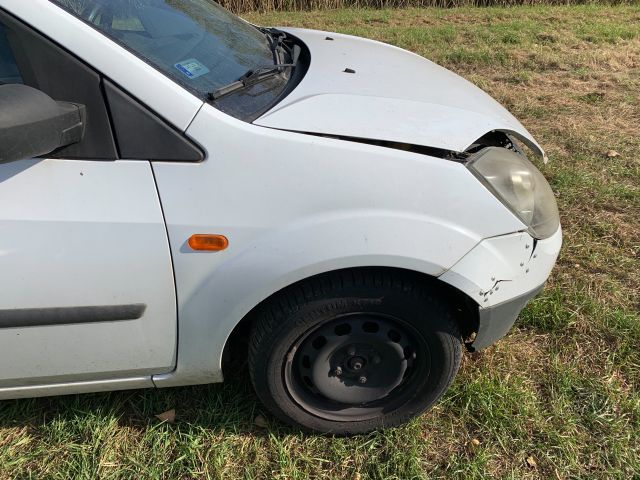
x: 520, y: 186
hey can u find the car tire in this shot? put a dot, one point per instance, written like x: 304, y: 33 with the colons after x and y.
x: 354, y: 350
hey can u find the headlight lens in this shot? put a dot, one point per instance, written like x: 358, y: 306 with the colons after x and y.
x: 520, y: 186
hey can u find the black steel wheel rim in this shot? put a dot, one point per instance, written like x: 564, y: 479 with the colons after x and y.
x: 356, y: 366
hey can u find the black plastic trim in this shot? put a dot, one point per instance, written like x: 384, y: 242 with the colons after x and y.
x: 143, y: 135
x: 32, y: 124
x: 41, y: 317
x: 496, y: 321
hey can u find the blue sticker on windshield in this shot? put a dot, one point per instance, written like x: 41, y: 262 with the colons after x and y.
x: 192, y: 68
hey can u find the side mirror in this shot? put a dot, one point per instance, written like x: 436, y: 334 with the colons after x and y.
x: 33, y: 124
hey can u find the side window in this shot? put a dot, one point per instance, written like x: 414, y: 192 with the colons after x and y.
x: 9, y: 72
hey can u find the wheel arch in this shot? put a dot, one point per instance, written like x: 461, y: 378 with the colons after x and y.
x: 215, y: 302
x: 466, y: 310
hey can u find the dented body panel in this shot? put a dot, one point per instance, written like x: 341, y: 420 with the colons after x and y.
x: 313, y: 205
x: 502, y: 274
x: 504, y: 267
x: 394, y: 95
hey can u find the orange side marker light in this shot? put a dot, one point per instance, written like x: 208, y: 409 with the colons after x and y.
x: 208, y: 242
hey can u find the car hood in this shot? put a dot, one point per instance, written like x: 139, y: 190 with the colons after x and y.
x: 394, y: 95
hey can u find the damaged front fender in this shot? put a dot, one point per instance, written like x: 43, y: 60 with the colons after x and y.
x: 501, y: 268
x: 501, y: 274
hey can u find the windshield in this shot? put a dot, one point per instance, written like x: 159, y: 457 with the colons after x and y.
x: 195, y: 42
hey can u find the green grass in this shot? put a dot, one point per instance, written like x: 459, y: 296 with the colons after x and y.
x: 279, y: 5
x: 562, y: 390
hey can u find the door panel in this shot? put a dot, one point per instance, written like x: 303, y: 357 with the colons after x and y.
x: 86, y: 281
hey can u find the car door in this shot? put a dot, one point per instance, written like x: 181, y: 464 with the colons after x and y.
x: 86, y: 281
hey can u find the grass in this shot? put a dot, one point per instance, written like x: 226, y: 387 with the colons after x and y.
x: 291, y: 5
x: 558, y: 398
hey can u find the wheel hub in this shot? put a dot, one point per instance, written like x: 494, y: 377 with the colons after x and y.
x: 354, y: 362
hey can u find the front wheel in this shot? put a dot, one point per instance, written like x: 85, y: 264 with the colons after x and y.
x: 353, y: 351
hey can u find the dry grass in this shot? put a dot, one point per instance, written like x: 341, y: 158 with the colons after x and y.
x: 562, y: 389
x: 242, y: 6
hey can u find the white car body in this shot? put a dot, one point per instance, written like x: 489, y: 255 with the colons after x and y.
x: 293, y: 199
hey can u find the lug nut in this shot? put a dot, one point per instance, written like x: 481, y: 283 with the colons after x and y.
x: 351, y: 351
x: 376, y: 360
x: 337, y: 372
x: 363, y: 379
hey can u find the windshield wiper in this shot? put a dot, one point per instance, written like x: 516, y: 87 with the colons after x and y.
x: 250, y: 78
x: 276, y: 42
x: 260, y: 74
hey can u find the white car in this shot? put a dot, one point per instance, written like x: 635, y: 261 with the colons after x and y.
x: 174, y: 180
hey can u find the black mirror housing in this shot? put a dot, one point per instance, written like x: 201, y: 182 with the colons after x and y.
x: 33, y: 124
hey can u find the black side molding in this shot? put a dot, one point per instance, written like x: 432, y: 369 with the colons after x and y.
x: 40, y: 317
